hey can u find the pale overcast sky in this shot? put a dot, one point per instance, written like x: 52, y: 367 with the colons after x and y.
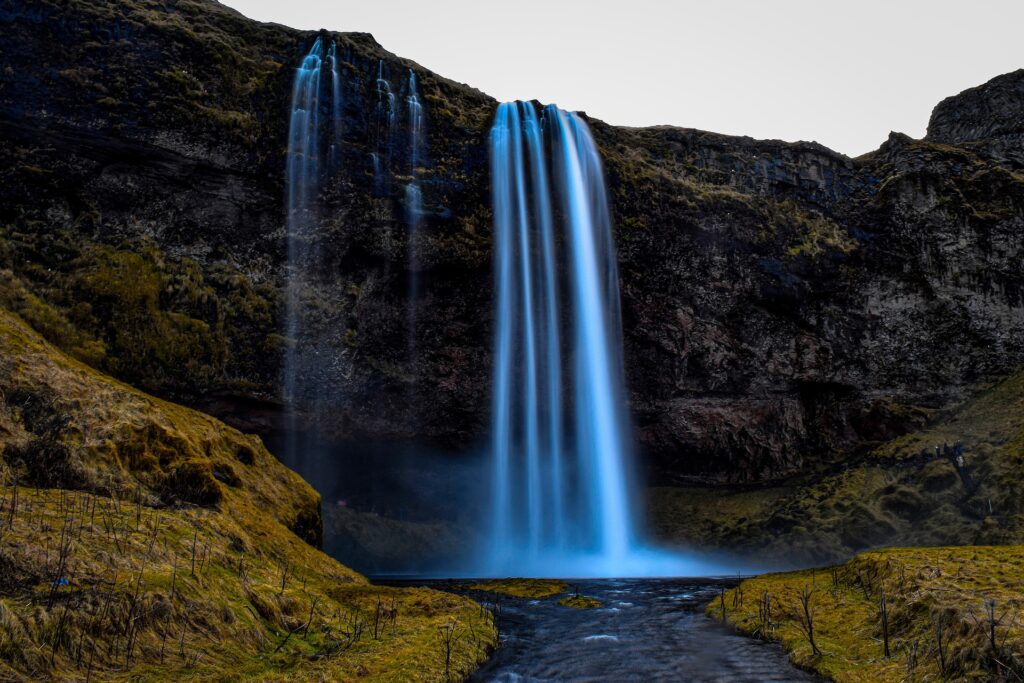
x: 842, y: 73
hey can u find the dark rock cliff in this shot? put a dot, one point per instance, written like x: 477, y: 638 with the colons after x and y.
x: 988, y: 118
x: 782, y: 303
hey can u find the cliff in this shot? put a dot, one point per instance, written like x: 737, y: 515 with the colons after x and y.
x: 784, y: 305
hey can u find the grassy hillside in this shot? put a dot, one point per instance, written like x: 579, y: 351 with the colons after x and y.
x: 949, y: 614
x: 901, y: 492
x: 142, y: 539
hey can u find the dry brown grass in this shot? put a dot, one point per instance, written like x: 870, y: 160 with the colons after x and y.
x: 157, y: 543
x: 938, y: 603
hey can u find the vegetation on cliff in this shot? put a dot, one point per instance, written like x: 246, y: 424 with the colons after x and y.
x: 142, y: 539
x: 787, y: 310
x: 956, y: 481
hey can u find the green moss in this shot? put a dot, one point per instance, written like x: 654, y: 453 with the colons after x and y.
x: 989, y: 419
x: 522, y: 588
x: 923, y: 588
x: 180, y: 527
x: 579, y: 602
x: 812, y: 233
x: 146, y: 312
x: 901, y: 492
x: 49, y: 320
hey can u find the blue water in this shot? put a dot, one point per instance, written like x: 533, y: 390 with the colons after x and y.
x: 562, y: 496
x: 415, y: 108
x: 314, y: 142
x: 645, y: 630
x: 303, y: 183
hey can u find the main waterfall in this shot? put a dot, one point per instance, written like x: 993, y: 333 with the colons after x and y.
x: 560, y: 444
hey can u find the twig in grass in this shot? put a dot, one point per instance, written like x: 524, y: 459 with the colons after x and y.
x: 941, y: 646
x: 911, y: 651
x: 174, y: 577
x: 764, y: 615
x: 195, y: 536
x: 448, y: 636
x: 285, y: 571
x: 293, y: 631
x: 883, y: 615
x: 805, y: 618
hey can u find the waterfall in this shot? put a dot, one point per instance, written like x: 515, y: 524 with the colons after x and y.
x: 413, y: 204
x: 414, y: 200
x: 386, y: 121
x: 560, y: 448
x: 332, y: 54
x: 315, y: 127
x: 303, y: 183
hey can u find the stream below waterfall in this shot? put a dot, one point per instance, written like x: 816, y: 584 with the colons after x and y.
x: 646, y: 630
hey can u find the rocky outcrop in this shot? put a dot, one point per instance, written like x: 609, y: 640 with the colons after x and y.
x: 954, y: 483
x: 782, y: 303
x: 989, y: 118
x: 812, y: 317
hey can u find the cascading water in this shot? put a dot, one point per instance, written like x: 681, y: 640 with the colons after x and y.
x: 561, y: 465
x: 308, y: 136
x: 562, y: 502
x: 554, y: 496
x: 303, y: 184
x: 386, y: 121
x: 332, y: 54
x: 414, y: 200
x: 413, y: 203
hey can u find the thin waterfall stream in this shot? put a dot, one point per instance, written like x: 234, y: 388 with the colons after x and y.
x: 314, y: 153
x: 303, y: 187
x: 414, y: 205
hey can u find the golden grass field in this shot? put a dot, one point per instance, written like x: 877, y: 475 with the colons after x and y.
x: 140, y: 540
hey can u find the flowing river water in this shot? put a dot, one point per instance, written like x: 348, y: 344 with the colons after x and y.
x: 646, y: 630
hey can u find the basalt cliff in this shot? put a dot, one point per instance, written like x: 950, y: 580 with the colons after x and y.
x: 785, y: 307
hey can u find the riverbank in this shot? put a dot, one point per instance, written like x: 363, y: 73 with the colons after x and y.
x: 902, y: 614
x: 640, y: 630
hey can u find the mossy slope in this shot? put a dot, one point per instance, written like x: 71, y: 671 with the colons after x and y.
x: 901, y: 492
x: 938, y: 603
x: 143, y: 539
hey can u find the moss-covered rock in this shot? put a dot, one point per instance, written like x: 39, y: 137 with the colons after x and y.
x: 580, y: 602
x: 522, y: 588
x: 954, y: 482
x: 783, y: 304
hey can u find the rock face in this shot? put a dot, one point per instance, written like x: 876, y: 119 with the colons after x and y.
x: 782, y: 303
x: 989, y: 118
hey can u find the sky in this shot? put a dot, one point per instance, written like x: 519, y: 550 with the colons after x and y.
x: 842, y: 73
